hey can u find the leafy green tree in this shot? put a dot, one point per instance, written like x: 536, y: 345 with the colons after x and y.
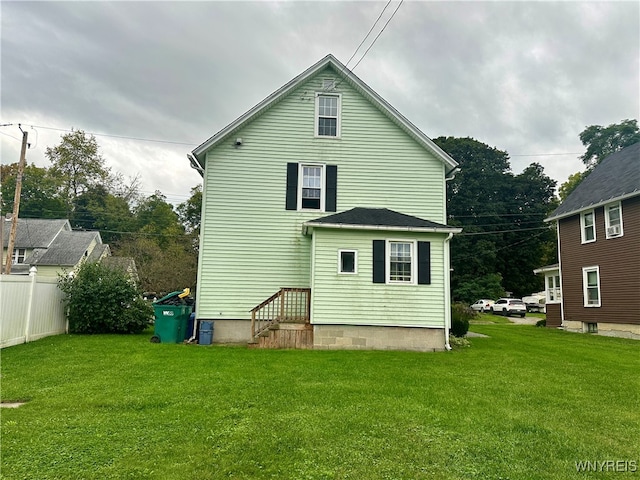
x: 604, y: 141
x: 161, y: 269
x: 77, y: 164
x: 571, y: 184
x: 39, y: 196
x: 157, y: 218
x: 189, y: 211
x: 97, y: 209
x: 103, y: 300
x: 504, y: 236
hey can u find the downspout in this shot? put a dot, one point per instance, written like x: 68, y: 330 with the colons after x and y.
x: 447, y: 292
x: 560, y: 275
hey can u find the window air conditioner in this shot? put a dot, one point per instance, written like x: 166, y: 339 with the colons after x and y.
x: 613, y: 230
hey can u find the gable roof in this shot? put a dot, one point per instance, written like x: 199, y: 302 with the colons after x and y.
x: 362, y: 218
x: 615, y: 178
x: 34, y: 232
x: 67, y: 249
x: 348, y: 76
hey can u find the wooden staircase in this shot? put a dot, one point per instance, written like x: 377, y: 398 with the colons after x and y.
x: 283, y: 321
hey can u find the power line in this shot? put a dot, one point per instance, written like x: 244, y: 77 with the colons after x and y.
x: 501, y: 231
x: 377, y: 36
x: 117, y: 136
x: 368, y: 33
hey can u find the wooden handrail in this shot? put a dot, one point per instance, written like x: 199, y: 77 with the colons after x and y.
x: 288, y: 305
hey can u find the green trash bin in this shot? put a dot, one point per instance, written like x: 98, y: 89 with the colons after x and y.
x: 170, y: 319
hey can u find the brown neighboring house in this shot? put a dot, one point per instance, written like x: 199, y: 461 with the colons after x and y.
x: 595, y: 287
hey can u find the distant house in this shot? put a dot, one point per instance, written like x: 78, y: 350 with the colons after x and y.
x: 51, y: 246
x: 324, y: 222
x: 595, y: 287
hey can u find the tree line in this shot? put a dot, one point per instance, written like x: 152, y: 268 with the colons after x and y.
x: 78, y: 186
x: 502, y: 214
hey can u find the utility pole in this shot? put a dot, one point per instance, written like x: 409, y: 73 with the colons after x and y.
x: 16, y: 203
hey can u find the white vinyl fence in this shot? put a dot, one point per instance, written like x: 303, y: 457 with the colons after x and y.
x: 30, y: 308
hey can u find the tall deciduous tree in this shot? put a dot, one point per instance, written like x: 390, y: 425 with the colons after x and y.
x: 502, y: 214
x: 39, y: 194
x: 189, y: 211
x: 77, y: 164
x: 603, y: 141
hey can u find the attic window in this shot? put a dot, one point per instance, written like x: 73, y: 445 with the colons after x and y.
x: 328, y: 84
x: 327, y: 115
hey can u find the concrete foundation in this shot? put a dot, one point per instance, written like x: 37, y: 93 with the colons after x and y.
x: 230, y: 331
x: 351, y: 337
x: 622, y: 330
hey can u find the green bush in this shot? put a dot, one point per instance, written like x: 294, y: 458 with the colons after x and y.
x: 103, y: 300
x: 461, y: 313
x: 541, y: 323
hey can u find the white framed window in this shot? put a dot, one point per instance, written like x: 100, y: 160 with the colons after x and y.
x: 401, y: 261
x: 327, y: 116
x: 19, y: 254
x: 613, y: 220
x: 552, y: 284
x: 591, y: 286
x: 348, y: 262
x: 588, y: 226
x: 311, y: 187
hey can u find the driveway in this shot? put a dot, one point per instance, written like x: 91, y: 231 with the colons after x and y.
x: 524, y: 321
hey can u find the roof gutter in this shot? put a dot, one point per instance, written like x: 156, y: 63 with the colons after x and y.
x: 601, y: 203
x: 451, y: 174
x: 307, y: 227
x: 195, y: 164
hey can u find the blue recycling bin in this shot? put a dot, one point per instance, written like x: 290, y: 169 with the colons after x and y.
x: 205, y: 335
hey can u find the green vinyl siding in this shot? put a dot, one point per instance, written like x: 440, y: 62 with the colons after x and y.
x: 356, y: 300
x: 250, y: 245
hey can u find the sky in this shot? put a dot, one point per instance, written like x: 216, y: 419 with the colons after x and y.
x: 152, y: 80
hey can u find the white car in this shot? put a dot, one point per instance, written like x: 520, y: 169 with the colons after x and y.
x: 509, y: 306
x: 482, y: 305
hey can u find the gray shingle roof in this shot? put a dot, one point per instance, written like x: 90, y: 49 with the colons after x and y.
x: 34, y: 233
x: 67, y: 249
x: 377, y: 217
x: 615, y: 178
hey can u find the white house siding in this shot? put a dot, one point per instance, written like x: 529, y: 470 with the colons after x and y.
x: 356, y: 300
x: 250, y: 245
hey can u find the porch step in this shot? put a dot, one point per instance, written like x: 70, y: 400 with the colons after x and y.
x: 285, y: 335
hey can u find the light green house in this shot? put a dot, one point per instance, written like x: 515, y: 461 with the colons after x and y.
x: 324, y: 222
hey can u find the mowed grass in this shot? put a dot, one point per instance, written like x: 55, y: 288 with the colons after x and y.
x: 525, y: 403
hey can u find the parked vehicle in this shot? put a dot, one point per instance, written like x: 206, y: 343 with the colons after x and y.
x: 482, y: 305
x: 535, y: 302
x: 509, y: 306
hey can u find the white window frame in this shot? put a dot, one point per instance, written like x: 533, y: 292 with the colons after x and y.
x: 552, y: 288
x: 585, y: 286
x: 316, y: 117
x: 583, y: 226
x: 414, y: 262
x: 18, y: 253
x: 607, y: 219
x: 323, y: 185
x: 355, y: 261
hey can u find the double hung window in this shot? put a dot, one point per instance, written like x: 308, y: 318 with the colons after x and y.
x: 588, y: 226
x: 401, y: 265
x: 591, y: 286
x: 553, y: 288
x: 312, y: 180
x: 613, y: 220
x: 328, y: 115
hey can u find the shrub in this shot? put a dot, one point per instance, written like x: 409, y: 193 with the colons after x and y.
x: 541, y: 323
x: 460, y: 316
x: 103, y: 300
x: 457, y: 342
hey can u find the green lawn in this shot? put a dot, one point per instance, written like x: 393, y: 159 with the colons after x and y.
x: 525, y: 403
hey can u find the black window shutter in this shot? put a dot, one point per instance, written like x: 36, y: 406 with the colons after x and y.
x: 424, y: 263
x: 379, y: 275
x: 292, y: 186
x: 332, y: 188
